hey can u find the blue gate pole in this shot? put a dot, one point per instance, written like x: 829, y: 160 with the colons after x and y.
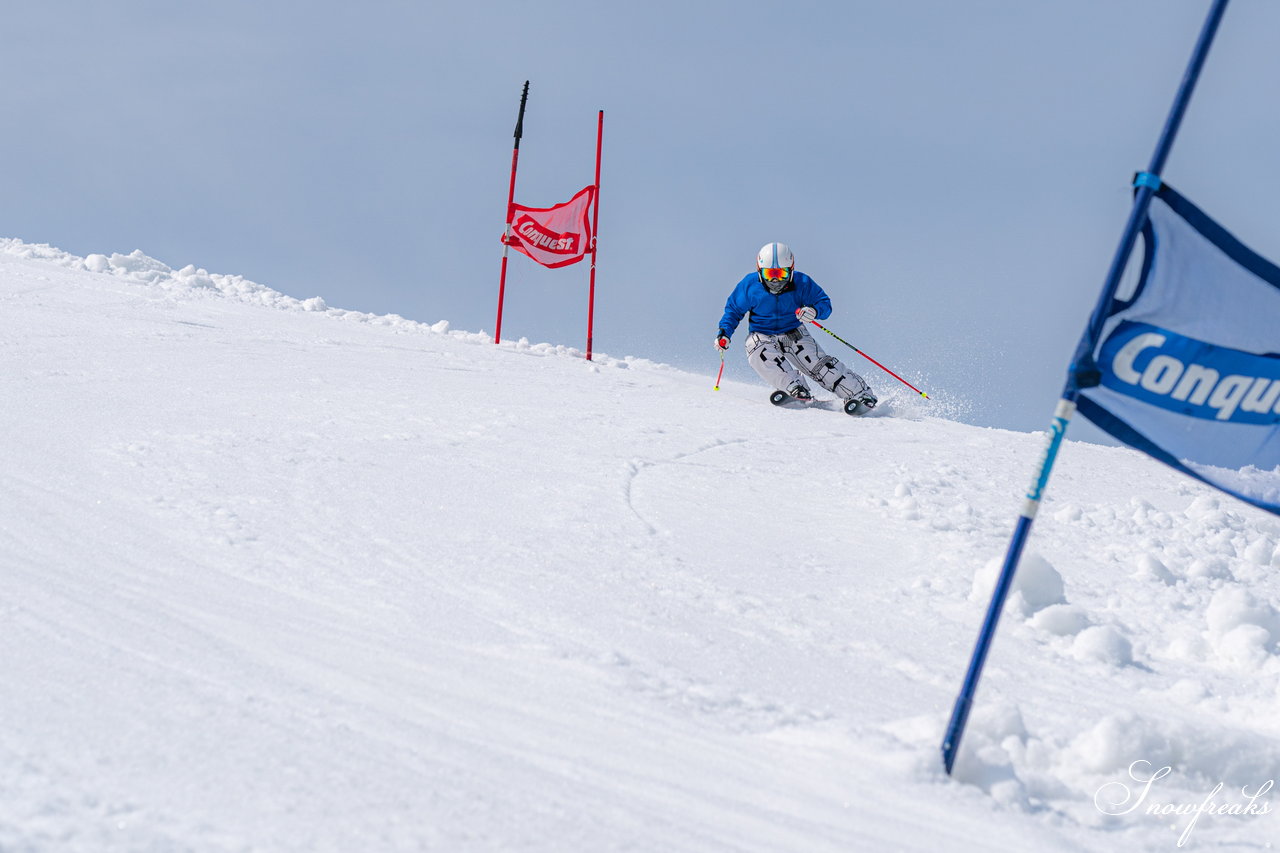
x: 1082, y: 375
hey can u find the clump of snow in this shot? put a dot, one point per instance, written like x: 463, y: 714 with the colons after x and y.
x: 140, y: 267
x: 1241, y: 629
x: 1152, y: 568
x: 1103, y: 644
x: 1062, y: 620
x: 1186, y: 645
x: 996, y: 732
x: 1204, y: 506
x: 1210, y: 568
x: 1117, y: 739
x: 1262, y: 552
x: 1234, y: 606
x: 1215, y: 753
x: 1249, y: 480
x: 1036, y: 584
x: 1068, y: 513
x: 1246, y: 647
x: 999, y: 720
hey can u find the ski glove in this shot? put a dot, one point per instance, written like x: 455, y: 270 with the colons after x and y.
x: 806, y: 314
x: 722, y: 341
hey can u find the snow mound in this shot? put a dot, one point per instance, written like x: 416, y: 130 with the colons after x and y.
x: 193, y: 282
x: 1104, y: 644
x: 1036, y: 584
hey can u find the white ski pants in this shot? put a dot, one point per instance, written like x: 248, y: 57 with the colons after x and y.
x: 785, y: 361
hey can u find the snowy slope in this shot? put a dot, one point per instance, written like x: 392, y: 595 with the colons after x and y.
x: 276, y: 576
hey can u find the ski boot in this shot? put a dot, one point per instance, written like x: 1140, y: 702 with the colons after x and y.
x: 860, y: 405
x: 799, y: 394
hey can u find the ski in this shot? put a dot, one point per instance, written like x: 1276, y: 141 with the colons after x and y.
x: 856, y: 408
x: 782, y: 398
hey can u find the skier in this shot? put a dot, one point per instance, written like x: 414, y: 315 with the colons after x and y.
x: 779, y: 346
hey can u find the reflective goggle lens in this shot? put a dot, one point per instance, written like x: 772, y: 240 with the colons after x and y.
x: 776, y: 273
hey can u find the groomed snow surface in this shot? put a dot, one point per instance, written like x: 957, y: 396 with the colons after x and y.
x: 280, y: 577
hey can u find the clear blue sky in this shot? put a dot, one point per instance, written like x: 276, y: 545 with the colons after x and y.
x: 953, y: 173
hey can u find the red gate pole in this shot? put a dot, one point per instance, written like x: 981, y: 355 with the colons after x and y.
x: 595, y: 224
x: 511, y: 198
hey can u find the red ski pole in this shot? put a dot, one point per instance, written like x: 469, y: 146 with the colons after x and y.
x: 721, y: 373
x: 869, y: 358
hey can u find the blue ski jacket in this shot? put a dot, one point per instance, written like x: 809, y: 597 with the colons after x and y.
x: 770, y: 314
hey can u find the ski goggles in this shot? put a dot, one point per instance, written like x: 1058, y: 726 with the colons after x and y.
x: 775, y: 273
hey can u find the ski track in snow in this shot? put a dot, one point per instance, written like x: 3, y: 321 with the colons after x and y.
x: 276, y: 578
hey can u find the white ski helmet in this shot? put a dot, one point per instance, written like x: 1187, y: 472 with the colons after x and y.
x: 775, y: 265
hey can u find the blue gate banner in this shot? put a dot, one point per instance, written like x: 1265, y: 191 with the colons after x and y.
x: 1188, y: 362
